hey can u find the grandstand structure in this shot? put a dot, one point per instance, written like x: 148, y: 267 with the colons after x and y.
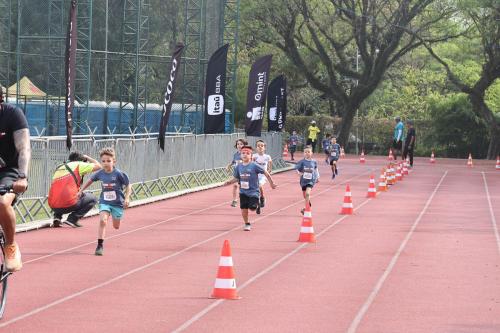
x: 123, y: 56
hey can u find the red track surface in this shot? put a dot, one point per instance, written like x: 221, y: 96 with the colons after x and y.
x: 422, y: 257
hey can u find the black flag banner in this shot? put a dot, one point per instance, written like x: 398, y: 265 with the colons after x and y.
x: 276, y: 104
x: 256, y: 96
x: 70, y: 72
x: 169, y: 93
x: 215, y: 92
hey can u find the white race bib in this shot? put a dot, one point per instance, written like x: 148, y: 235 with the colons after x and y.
x: 308, y: 175
x: 245, y: 185
x: 109, y: 196
x: 333, y: 153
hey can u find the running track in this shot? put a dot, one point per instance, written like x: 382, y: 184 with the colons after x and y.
x: 422, y: 257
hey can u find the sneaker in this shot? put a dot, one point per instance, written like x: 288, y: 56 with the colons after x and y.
x: 262, y: 202
x: 247, y: 227
x: 13, y: 261
x: 99, y: 250
x: 333, y: 175
x: 326, y: 161
x: 75, y: 224
x: 336, y: 171
x: 258, y: 210
x: 234, y: 203
x: 56, y: 223
x: 302, y: 211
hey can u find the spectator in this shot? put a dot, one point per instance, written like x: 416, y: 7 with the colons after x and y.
x: 398, y: 137
x: 313, y: 135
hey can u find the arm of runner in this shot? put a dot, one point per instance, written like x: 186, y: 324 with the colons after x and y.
x: 22, y: 143
x: 270, y: 166
x: 270, y: 179
x: 128, y: 191
x: 84, y: 187
x: 230, y: 181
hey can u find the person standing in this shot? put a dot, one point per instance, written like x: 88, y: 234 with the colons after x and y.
x: 398, y: 136
x: 15, y: 156
x: 313, y: 135
x: 409, y: 142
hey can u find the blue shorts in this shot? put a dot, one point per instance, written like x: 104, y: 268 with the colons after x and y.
x: 115, y: 211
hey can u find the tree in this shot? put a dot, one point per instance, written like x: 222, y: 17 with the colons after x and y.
x: 482, y: 19
x: 343, y: 48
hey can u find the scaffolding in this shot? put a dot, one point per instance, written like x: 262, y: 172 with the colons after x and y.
x: 121, y: 64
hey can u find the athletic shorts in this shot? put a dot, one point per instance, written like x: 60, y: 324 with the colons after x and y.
x: 247, y: 202
x: 332, y: 159
x: 8, y: 176
x: 293, y: 149
x: 115, y: 211
x: 262, y: 180
x: 306, y: 186
x: 397, y: 144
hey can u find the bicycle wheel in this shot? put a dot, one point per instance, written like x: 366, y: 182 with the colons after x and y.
x: 3, y: 277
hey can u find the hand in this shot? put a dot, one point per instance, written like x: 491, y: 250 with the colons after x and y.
x: 79, y: 194
x: 20, y: 185
x: 273, y: 186
x: 126, y: 203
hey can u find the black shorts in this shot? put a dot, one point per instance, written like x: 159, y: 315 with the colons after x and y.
x: 8, y: 176
x: 332, y: 159
x: 304, y: 188
x: 247, y: 202
x: 293, y: 149
x: 397, y: 144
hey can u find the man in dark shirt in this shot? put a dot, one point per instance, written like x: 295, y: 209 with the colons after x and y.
x: 15, y: 154
x: 409, y: 142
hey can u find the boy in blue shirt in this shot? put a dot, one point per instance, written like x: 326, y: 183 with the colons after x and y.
x: 325, y: 144
x: 293, y: 140
x: 308, y: 170
x: 333, y: 156
x: 112, y: 200
x: 236, y: 160
x: 246, y: 174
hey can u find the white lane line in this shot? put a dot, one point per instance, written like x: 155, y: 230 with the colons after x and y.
x: 492, y: 214
x: 157, y: 261
x: 359, y: 316
x: 212, y: 306
x: 134, y: 230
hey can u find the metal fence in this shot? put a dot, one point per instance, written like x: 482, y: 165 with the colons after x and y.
x: 188, y: 161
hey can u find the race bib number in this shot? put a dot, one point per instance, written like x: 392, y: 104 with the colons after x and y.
x: 333, y: 153
x: 308, y: 175
x: 245, y: 185
x: 109, y: 196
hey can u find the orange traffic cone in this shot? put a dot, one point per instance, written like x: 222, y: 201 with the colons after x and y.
x: 225, y: 283
x: 432, y: 160
x: 469, y: 161
x: 399, y: 174
x: 405, y: 168
x: 362, y: 157
x: 285, y: 151
x: 390, y: 175
x: 347, y: 208
x: 372, y: 191
x: 391, y: 155
x: 307, y: 230
x: 498, y: 163
x: 382, y: 185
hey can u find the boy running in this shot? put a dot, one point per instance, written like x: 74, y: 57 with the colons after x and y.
x: 325, y: 144
x: 293, y: 140
x: 309, y: 174
x: 236, y: 160
x: 334, y: 154
x: 265, y: 162
x: 246, y: 174
x: 112, y: 200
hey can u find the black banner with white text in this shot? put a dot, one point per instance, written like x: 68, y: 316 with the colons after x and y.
x: 215, y: 92
x: 276, y: 104
x: 258, y: 80
x: 169, y: 93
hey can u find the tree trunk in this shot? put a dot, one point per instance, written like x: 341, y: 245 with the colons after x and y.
x: 483, y: 111
x: 348, y: 112
x: 494, y: 146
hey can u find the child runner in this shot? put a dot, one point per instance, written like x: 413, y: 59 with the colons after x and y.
x: 266, y: 163
x: 293, y: 140
x: 236, y: 160
x: 112, y: 200
x: 309, y: 174
x: 325, y: 144
x: 334, y: 154
x: 246, y: 174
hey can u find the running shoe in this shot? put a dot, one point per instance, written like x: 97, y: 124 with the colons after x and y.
x: 234, y: 203
x: 333, y: 175
x: 336, y: 171
x: 56, y: 223
x: 258, y: 210
x: 74, y: 224
x: 262, y: 202
x: 99, y: 250
x: 302, y: 211
x: 13, y: 261
x: 248, y: 227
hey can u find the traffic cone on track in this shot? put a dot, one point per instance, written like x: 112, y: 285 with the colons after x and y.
x: 469, y: 161
x: 432, y: 160
x: 372, y: 191
x: 382, y: 184
x: 362, y: 157
x: 405, y: 169
x: 391, y: 155
x: 347, y: 207
x: 225, y: 283
x: 498, y: 163
x: 307, y: 230
x: 285, y: 151
x: 399, y: 173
